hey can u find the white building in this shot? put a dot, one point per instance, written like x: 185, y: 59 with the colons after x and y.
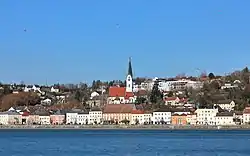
x: 94, y: 94
x: 82, y: 118
x: 148, y: 85
x: 206, y: 116
x: 162, y: 116
x: 228, y: 86
x: 44, y: 119
x: 191, y: 119
x: 4, y: 118
x: 224, y: 119
x: 172, y: 101
x: 226, y: 104
x: 46, y: 101
x: 175, y: 85
x: 54, y: 89
x: 246, y: 115
x: 34, y: 88
x: 194, y: 84
x: 71, y: 118
x: 95, y: 116
x: 147, y: 117
x: 238, y: 117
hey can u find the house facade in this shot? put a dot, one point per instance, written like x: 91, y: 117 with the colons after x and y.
x: 44, y: 119
x: 71, y: 118
x: 162, y: 116
x: 137, y: 117
x: 33, y: 119
x: 57, y: 119
x: 246, y: 115
x: 117, y: 113
x: 191, y: 119
x: 95, y: 116
x: 14, y: 118
x: 206, y: 116
x: 4, y: 118
x: 225, y: 118
x: 82, y: 118
x: 172, y: 101
x: 179, y: 119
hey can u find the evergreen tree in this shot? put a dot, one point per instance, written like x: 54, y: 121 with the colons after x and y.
x: 156, y: 95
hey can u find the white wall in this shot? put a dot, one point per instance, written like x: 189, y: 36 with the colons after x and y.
x: 71, y: 118
x: 158, y: 116
x: 95, y: 116
x: 206, y: 116
x: 224, y: 120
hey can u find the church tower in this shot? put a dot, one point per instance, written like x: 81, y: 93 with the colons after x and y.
x: 129, y: 79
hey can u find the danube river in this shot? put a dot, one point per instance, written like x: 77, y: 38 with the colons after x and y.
x: 124, y: 143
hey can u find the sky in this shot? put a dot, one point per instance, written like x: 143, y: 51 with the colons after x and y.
x: 82, y: 40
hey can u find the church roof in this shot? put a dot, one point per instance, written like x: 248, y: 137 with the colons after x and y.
x: 117, y: 91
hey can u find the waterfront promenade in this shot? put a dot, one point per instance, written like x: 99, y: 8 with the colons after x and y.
x: 166, y: 127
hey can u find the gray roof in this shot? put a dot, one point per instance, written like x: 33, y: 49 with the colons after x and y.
x: 84, y: 113
x: 9, y: 113
x: 225, y: 114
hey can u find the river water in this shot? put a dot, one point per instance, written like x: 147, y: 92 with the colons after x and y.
x: 124, y: 143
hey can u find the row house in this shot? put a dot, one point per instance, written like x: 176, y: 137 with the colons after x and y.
x: 32, y: 119
x: 118, y: 113
x: 179, y: 119
x: 224, y: 118
x: 162, y: 116
x: 140, y: 117
x: 191, y: 119
x: 238, y: 117
x: 82, y: 118
x: 44, y: 119
x: 71, y: 117
x: 94, y: 116
x: 10, y: 117
x: 57, y: 119
x: 246, y: 115
x: 206, y: 116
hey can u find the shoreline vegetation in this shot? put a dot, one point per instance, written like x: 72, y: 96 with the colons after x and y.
x: 124, y: 127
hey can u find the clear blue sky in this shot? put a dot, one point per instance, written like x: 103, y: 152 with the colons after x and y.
x: 72, y: 41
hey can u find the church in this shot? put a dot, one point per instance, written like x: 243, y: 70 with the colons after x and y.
x: 123, y: 95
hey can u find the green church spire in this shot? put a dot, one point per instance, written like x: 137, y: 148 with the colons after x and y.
x: 130, y: 72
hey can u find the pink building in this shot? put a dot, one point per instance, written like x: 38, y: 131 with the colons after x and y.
x: 57, y: 119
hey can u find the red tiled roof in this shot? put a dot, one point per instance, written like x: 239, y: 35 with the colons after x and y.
x: 25, y: 113
x: 117, y: 91
x: 137, y: 112
x: 246, y: 110
x: 179, y: 114
x: 119, y: 108
x: 128, y: 95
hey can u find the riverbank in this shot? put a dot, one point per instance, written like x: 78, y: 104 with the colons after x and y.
x: 139, y: 127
